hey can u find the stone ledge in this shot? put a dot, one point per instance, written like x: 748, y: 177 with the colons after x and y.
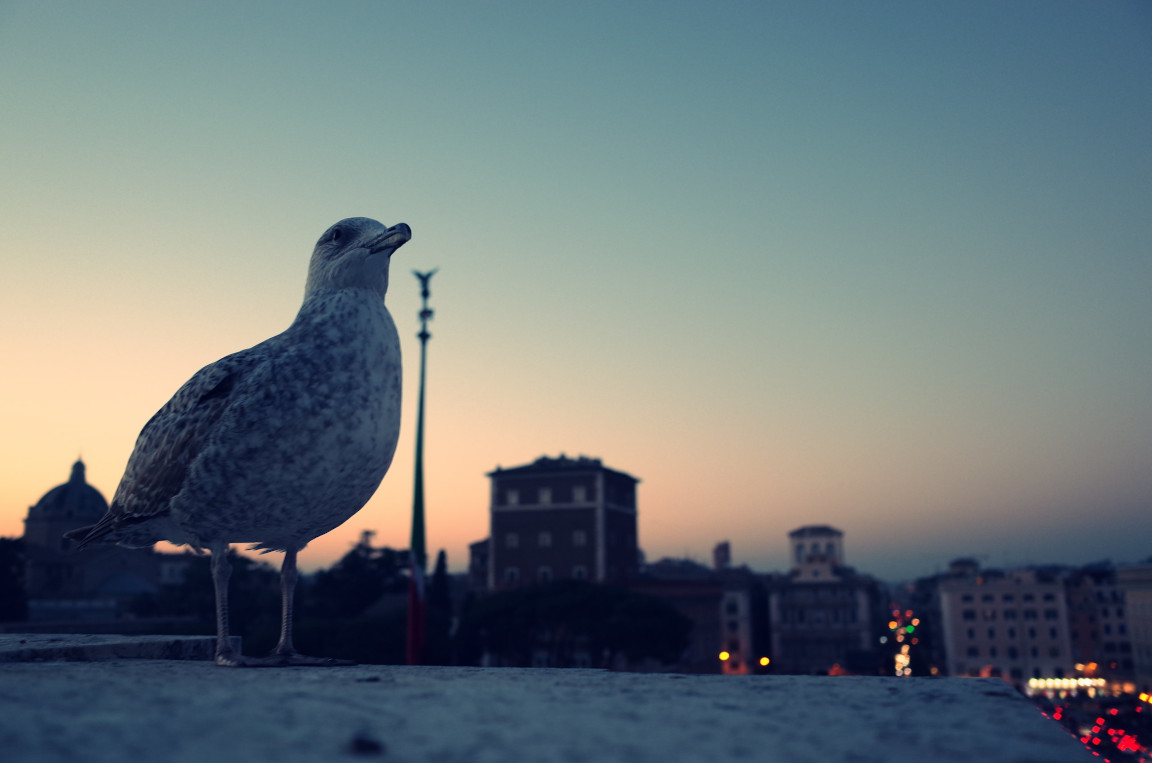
x: 39, y: 647
x: 194, y: 711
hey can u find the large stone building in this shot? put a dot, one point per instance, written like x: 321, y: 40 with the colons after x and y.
x: 561, y: 518
x: 98, y: 583
x: 1136, y: 582
x: 1011, y: 624
x: 1098, y: 626
x: 824, y: 616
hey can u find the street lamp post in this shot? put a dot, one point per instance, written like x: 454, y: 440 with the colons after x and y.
x: 418, y: 557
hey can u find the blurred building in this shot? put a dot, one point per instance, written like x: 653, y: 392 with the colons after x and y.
x: 696, y: 592
x: 1012, y: 624
x: 1136, y: 582
x: 727, y: 606
x: 98, y: 583
x: 825, y: 617
x: 1098, y: 625
x: 561, y: 518
x: 478, y: 565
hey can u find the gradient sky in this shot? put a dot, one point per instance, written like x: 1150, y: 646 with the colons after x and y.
x: 885, y: 265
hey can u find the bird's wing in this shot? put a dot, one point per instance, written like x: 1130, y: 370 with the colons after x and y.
x: 170, y: 442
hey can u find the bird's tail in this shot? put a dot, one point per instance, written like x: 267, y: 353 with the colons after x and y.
x: 81, y: 536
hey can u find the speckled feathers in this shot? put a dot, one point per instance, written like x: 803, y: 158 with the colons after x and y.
x: 282, y: 442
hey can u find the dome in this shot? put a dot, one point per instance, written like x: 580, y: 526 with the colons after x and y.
x: 75, y: 499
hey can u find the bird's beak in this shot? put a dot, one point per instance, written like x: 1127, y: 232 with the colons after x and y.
x: 391, y: 239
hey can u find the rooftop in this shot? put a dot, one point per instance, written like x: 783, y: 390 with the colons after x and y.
x: 562, y: 464
x: 190, y: 710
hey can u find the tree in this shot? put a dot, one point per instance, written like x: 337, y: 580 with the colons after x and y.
x: 574, y: 623
x: 356, y: 582
x: 438, y: 615
x: 355, y: 608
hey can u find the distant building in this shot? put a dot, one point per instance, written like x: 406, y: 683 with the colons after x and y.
x: 478, y: 565
x: 1098, y: 625
x: 561, y: 518
x: 1136, y: 582
x: 824, y: 615
x: 98, y: 583
x: 722, y: 556
x: 698, y: 593
x: 1012, y: 625
x: 727, y: 606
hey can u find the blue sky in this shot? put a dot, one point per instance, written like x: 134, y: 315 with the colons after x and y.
x: 884, y: 266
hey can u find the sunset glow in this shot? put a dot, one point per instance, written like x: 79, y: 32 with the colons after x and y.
x: 883, y: 267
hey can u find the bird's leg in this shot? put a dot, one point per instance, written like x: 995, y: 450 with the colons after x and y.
x: 288, y: 577
x: 285, y: 652
x: 221, y: 572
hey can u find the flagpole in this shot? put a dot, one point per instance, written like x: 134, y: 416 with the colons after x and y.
x: 417, y: 555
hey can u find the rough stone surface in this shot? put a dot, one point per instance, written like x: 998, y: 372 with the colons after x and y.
x: 194, y: 711
x: 30, y: 647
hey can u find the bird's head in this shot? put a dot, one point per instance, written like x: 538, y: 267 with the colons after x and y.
x: 355, y: 253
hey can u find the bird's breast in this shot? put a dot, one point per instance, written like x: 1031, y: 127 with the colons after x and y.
x: 312, y: 432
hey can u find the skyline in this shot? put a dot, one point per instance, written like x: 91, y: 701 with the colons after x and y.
x: 882, y: 268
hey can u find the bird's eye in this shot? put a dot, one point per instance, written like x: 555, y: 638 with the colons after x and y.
x: 336, y: 235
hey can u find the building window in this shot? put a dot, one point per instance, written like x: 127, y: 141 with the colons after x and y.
x: 1051, y: 614
x: 1009, y: 614
x: 511, y: 497
x: 992, y: 633
x: 543, y: 574
x: 971, y: 633
x: 968, y: 614
x: 512, y: 540
x: 966, y: 598
x: 545, y: 495
x: 579, y: 572
x: 579, y: 538
x: 579, y: 494
x: 973, y: 651
x: 544, y: 539
x: 511, y: 574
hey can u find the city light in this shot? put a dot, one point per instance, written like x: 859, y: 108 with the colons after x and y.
x: 724, y: 656
x: 764, y: 662
x: 1064, y: 684
x: 903, y: 625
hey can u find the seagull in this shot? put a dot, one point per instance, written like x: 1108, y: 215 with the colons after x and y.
x: 280, y: 443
